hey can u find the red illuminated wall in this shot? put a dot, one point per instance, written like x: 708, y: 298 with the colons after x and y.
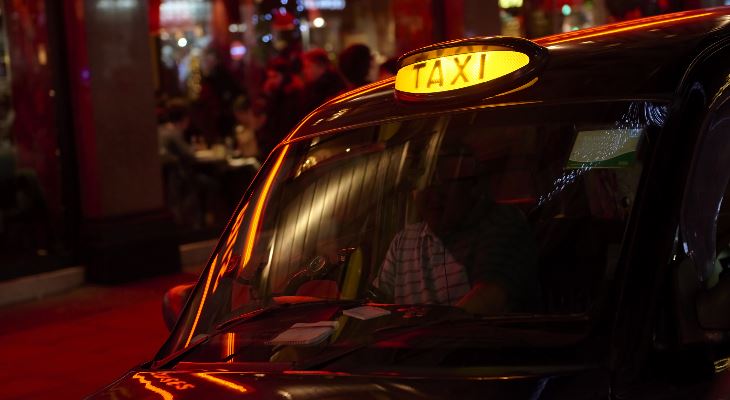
x: 413, y: 24
x: 422, y: 22
x: 34, y: 131
x: 153, y: 8
x: 223, y: 13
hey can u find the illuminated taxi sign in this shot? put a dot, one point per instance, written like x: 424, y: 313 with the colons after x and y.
x: 466, y: 68
x: 457, y: 72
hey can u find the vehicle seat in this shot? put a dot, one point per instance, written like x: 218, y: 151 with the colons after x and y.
x: 574, y: 258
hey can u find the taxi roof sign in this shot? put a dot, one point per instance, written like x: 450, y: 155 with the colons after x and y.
x: 468, y: 68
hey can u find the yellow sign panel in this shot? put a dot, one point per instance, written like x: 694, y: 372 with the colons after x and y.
x: 443, y: 74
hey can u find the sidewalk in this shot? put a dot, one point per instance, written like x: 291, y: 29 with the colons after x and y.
x: 70, y: 345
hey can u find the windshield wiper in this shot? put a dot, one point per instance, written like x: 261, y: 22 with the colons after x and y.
x: 248, y: 316
x: 173, y: 358
x: 327, y: 359
x: 389, y: 331
x: 280, y: 306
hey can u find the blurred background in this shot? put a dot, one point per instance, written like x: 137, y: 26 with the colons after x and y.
x: 129, y: 129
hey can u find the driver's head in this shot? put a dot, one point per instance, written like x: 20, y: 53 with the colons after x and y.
x: 456, y: 187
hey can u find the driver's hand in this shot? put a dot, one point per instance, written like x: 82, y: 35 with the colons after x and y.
x: 485, y: 298
x: 376, y: 295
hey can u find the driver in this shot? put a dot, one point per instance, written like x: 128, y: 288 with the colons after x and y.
x: 466, y: 250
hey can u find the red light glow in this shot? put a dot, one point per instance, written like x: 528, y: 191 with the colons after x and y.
x: 222, y: 382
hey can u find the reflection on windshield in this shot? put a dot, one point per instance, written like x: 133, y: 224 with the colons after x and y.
x: 463, y: 249
x: 496, y: 212
x: 401, y: 337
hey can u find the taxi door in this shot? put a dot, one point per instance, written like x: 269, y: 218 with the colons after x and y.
x: 671, y: 335
x: 701, y: 281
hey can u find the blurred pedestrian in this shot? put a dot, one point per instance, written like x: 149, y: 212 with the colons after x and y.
x: 174, y: 121
x: 321, y: 80
x: 355, y: 63
x: 22, y: 198
x: 187, y: 191
x: 169, y: 83
x: 283, y: 94
x: 218, y: 90
x: 246, y: 155
x: 248, y: 122
x: 388, y: 68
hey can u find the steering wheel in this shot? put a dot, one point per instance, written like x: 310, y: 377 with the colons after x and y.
x: 317, y: 268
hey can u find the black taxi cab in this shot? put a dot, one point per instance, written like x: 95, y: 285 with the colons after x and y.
x: 504, y: 219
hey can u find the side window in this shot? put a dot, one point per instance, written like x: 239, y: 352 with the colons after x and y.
x: 705, y: 221
x: 713, y: 302
x: 721, y: 266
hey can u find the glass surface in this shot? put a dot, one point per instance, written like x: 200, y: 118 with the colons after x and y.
x: 34, y: 208
x: 511, y: 213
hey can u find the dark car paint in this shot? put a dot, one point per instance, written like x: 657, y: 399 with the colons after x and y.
x: 644, y: 63
x: 222, y: 383
x: 646, y: 60
x: 655, y: 238
x: 436, y: 334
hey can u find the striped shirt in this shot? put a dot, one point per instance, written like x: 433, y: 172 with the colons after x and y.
x: 496, y: 246
x: 418, y: 269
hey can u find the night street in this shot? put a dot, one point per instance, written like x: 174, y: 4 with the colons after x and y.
x: 365, y: 199
x: 69, y: 345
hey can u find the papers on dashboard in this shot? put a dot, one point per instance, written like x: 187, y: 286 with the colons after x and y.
x: 366, y: 312
x: 305, y: 334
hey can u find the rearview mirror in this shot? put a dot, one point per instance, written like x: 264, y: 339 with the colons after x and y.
x: 173, y: 302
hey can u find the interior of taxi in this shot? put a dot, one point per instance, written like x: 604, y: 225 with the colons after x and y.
x: 345, y: 198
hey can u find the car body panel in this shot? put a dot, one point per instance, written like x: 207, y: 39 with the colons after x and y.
x: 646, y: 59
x: 220, y: 383
x: 641, y: 59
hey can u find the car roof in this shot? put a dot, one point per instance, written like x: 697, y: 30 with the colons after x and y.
x: 640, y: 59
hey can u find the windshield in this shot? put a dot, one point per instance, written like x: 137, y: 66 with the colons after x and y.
x: 494, y: 212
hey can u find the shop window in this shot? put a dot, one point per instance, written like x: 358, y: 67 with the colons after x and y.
x: 34, y: 207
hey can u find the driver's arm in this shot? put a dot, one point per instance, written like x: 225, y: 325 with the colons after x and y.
x: 503, y: 270
x: 485, y: 298
x: 384, y: 283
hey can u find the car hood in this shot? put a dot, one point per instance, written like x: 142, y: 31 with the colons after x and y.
x: 476, y: 383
